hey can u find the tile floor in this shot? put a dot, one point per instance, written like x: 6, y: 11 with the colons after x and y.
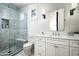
x: 21, y: 53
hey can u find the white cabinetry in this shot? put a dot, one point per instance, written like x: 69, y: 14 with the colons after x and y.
x: 74, y: 43
x: 50, y: 49
x: 62, y: 50
x: 74, y: 48
x: 39, y: 47
x: 74, y: 51
x: 57, y: 47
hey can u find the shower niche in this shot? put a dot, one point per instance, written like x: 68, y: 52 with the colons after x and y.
x: 5, y: 23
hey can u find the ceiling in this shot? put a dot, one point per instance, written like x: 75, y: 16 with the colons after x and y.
x: 20, y: 5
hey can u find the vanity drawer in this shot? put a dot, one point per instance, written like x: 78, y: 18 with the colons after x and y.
x: 74, y: 43
x: 40, y: 48
x: 40, y: 45
x: 39, y: 39
x: 74, y: 51
x: 39, y: 52
x: 58, y: 41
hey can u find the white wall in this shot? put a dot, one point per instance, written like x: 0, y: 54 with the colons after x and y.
x: 71, y: 22
x: 38, y: 25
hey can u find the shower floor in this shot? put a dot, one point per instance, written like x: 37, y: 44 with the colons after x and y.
x: 21, y: 53
x: 10, y: 51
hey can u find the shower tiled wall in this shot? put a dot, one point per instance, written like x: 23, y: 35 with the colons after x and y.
x: 22, y: 28
x: 8, y: 36
x: 17, y: 27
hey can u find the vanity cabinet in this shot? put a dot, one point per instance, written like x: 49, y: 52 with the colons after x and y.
x: 50, y: 49
x: 74, y: 43
x: 74, y: 48
x: 57, y: 47
x: 39, y: 47
x: 62, y: 50
x: 74, y: 51
x: 49, y: 46
x: 55, y: 50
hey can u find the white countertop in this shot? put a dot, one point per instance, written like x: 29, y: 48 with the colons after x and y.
x: 59, y: 37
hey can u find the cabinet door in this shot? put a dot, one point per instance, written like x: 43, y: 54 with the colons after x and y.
x: 39, y: 48
x: 74, y: 51
x: 39, y: 52
x: 50, y: 49
x: 62, y: 50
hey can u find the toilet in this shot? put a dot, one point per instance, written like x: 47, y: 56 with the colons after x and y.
x: 28, y: 46
x: 28, y: 49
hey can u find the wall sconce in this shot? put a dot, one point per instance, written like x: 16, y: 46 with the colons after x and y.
x: 72, y: 11
x: 43, y: 11
x: 44, y: 16
x: 73, y: 5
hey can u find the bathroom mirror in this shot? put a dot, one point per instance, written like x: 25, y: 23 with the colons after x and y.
x: 56, y: 20
x: 5, y: 24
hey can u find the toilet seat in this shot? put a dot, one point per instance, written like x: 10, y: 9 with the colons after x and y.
x: 28, y: 44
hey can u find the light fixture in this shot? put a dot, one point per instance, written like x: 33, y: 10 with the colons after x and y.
x: 73, y: 6
x: 43, y: 11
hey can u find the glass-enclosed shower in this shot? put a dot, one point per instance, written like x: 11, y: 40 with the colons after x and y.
x: 12, y: 33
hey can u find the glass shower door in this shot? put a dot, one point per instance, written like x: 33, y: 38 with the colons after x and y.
x: 15, y: 44
x: 10, y: 36
x: 4, y: 42
x: 4, y: 31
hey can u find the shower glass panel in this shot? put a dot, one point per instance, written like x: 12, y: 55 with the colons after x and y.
x: 4, y: 32
x: 14, y: 45
x: 4, y: 42
x: 9, y: 43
